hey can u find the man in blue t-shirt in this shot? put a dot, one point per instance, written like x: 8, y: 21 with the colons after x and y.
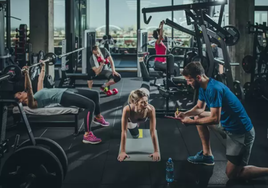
x: 228, y: 116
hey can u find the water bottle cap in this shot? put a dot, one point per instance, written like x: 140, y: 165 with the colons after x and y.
x: 169, y: 159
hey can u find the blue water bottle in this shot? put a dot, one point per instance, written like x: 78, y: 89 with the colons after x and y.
x: 169, y: 171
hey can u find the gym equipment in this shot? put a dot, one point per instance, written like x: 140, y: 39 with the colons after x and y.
x: 202, y: 5
x: 3, y: 55
x: 37, y: 162
x: 191, y: 52
x: 69, y: 75
x: 139, y: 149
x: 12, y: 73
x: 115, y: 91
x: 72, y: 52
x: 211, y: 32
x: 169, y: 82
x: 142, y: 49
x: 257, y: 65
x: 107, y: 41
x: 109, y: 93
x: 100, y: 59
x: 233, y: 35
x: 54, y: 147
x: 248, y: 63
x: 32, y: 166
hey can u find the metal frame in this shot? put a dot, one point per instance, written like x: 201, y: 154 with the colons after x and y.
x: 24, y: 118
x: 226, y: 57
x: 141, y: 48
x: 202, y: 5
x: 2, y: 36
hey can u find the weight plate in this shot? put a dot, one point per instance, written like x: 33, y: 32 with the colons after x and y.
x: 53, y: 58
x: 52, y: 146
x: 17, y: 73
x: 233, y: 37
x: 41, y: 55
x: 32, y: 166
x: 248, y: 63
x: 239, y: 92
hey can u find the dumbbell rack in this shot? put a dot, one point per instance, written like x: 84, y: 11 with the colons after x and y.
x: 23, y: 48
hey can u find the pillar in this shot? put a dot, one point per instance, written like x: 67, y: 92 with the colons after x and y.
x: 240, y: 12
x: 42, y: 27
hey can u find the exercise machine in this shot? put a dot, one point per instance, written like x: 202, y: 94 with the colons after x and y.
x: 3, y: 56
x: 257, y: 64
x: 211, y: 32
x: 68, y: 77
x: 142, y: 48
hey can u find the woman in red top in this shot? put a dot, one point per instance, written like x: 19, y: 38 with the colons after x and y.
x: 160, y: 49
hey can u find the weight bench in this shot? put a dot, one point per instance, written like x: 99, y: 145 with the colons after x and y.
x: 34, y: 115
x: 72, y: 79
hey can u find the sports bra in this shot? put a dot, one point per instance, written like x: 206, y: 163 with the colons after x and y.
x: 139, y: 120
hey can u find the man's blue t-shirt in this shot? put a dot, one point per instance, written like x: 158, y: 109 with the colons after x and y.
x: 234, y: 117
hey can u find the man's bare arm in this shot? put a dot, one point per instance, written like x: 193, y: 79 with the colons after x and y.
x: 99, y: 69
x: 197, y: 109
x: 213, y: 119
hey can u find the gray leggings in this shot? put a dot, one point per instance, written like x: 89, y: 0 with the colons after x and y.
x: 163, y: 67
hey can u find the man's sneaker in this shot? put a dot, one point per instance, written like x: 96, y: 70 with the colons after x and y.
x: 101, y: 121
x: 199, y: 158
x: 90, y: 138
x: 104, y: 89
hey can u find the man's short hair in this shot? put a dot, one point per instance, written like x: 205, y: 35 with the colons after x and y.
x: 193, y: 69
x: 95, y: 48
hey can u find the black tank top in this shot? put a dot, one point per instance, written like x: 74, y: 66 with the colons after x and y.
x: 139, y: 120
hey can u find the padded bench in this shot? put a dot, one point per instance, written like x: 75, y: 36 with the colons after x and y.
x: 80, y: 76
x: 51, y: 111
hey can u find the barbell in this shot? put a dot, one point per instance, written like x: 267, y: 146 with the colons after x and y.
x: 12, y: 73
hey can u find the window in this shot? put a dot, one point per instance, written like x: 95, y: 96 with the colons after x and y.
x: 156, y: 18
x: 96, y: 13
x: 261, y: 2
x: 180, y: 38
x: 124, y: 29
x: 59, y: 22
x: 16, y: 7
x: 260, y: 17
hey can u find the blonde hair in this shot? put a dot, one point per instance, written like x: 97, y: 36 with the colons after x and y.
x: 135, y: 96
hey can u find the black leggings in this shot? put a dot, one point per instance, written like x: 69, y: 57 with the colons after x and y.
x: 83, y: 98
x: 104, y: 74
x: 163, y: 67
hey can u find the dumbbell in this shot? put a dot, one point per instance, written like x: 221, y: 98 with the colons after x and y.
x: 115, y: 91
x: 106, y: 61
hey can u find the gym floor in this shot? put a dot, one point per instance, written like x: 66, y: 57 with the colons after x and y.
x: 96, y: 166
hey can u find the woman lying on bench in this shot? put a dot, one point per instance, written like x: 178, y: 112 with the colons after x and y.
x: 81, y: 98
x: 136, y: 111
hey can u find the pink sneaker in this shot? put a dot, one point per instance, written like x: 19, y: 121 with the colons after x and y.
x: 90, y: 138
x: 101, y: 121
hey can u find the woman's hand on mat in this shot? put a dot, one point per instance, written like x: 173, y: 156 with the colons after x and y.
x: 115, y: 73
x: 122, y: 156
x: 155, y: 156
